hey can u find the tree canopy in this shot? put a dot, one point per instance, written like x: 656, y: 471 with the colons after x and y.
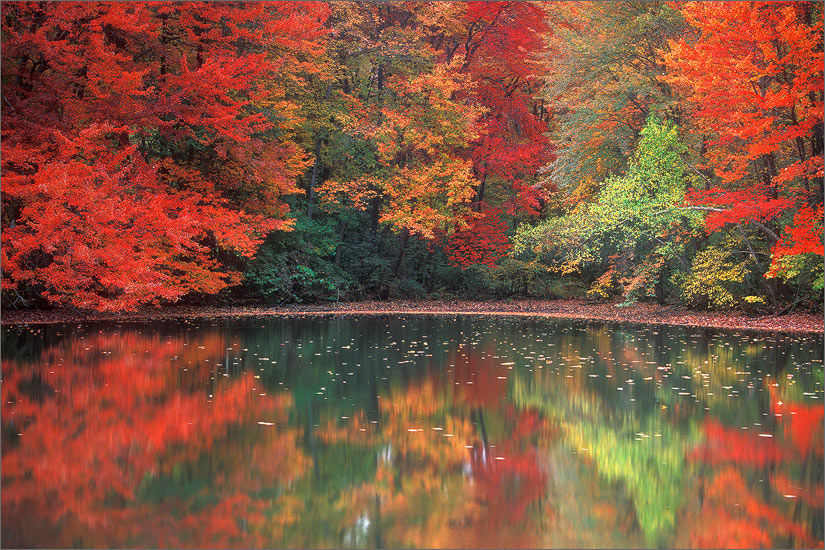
x: 157, y: 152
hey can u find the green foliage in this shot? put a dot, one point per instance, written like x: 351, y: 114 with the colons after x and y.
x: 804, y: 272
x: 455, y: 282
x: 716, y: 280
x: 531, y: 278
x: 652, y: 471
x: 296, y: 266
x: 634, y: 228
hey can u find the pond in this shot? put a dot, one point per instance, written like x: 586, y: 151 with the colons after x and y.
x: 409, y: 431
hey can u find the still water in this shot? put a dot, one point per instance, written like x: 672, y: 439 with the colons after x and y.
x: 412, y: 431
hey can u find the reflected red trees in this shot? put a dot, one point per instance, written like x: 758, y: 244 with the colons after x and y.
x: 505, y: 465
x: 800, y: 423
x: 100, y: 416
x: 478, y: 378
x: 732, y: 516
x: 752, y: 495
x: 510, y: 481
x: 724, y: 444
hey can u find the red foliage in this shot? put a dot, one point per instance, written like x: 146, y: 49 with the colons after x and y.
x: 502, y: 42
x: 102, y: 415
x: 509, y: 475
x: 739, y: 206
x: 484, y: 240
x: 726, y: 444
x: 803, y: 236
x: 753, y: 76
x: 736, y: 516
x: 526, y: 200
x: 509, y: 486
x: 497, y: 48
x: 131, y: 152
x: 802, y: 423
x: 477, y: 379
x: 732, y: 517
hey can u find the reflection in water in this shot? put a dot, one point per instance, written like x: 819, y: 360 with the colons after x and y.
x: 409, y: 431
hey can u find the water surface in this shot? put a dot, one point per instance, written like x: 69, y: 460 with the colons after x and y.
x: 412, y: 431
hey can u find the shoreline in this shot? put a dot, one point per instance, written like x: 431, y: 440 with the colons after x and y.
x: 638, y: 314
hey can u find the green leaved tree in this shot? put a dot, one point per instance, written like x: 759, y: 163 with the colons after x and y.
x: 634, y: 235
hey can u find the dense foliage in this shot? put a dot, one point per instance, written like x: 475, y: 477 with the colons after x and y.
x: 283, y: 152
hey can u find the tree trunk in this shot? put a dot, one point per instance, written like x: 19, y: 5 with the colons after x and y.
x: 404, y: 239
x: 480, y: 196
x: 800, y: 150
x: 374, y: 215
x: 315, y: 165
x: 702, y: 152
x: 770, y: 160
x: 817, y: 147
x: 340, y: 243
x: 313, y: 179
x: 380, y: 80
x: 381, y: 240
x: 659, y: 290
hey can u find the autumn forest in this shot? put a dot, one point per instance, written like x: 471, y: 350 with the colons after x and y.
x: 288, y: 152
x: 412, y: 275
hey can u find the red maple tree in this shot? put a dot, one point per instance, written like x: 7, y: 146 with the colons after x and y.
x: 482, y: 241
x: 752, y: 75
x: 143, y: 141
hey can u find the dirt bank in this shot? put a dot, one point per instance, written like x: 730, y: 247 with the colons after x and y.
x: 565, y: 309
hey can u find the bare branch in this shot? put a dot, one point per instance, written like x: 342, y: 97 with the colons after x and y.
x: 704, y: 177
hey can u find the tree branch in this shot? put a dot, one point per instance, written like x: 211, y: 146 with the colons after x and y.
x: 704, y: 177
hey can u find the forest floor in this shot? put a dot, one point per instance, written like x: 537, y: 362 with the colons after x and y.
x: 644, y: 313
